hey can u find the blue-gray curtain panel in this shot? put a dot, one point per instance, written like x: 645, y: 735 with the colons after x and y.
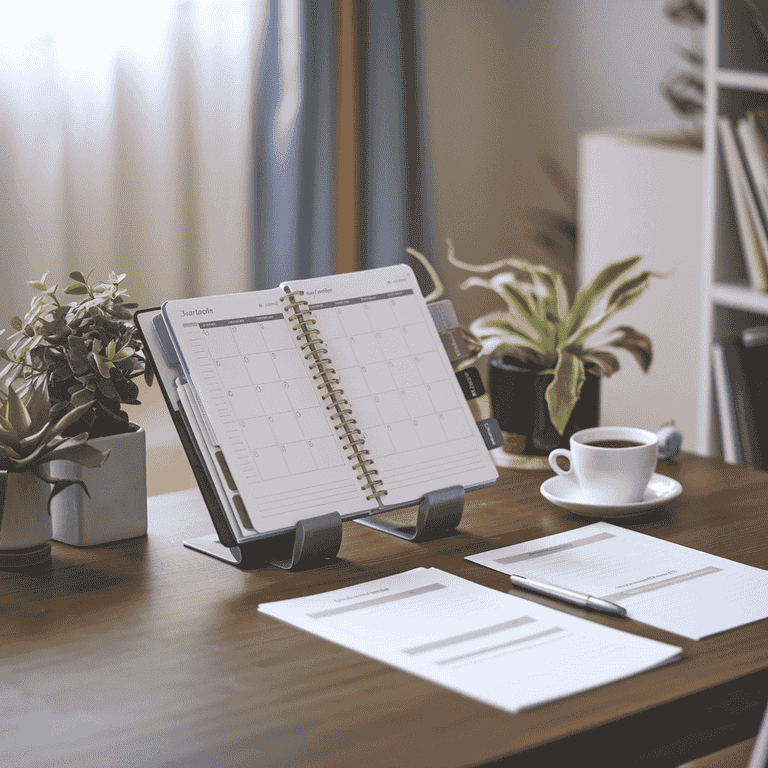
x: 294, y: 139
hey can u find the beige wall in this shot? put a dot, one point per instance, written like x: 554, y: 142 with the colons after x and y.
x: 509, y: 81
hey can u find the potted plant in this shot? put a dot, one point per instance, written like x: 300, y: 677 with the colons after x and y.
x: 546, y: 355
x: 29, y: 439
x: 88, y: 345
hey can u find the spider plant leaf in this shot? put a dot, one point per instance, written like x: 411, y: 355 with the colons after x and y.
x: 524, y: 268
x: 500, y: 324
x: 631, y: 287
x: 605, y: 362
x: 586, y: 297
x: 519, y: 310
x: 435, y: 293
x: 565, y: 388
x: 636, y: 343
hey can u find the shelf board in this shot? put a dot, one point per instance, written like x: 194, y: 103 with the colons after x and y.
x: 738, y: 78
x: 737, y: 297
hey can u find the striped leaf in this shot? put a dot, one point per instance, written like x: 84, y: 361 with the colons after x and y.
x: 636, y: 343
x: 565, y: 388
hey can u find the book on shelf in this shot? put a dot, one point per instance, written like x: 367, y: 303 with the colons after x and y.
x: 740, y: 370
x: 724, y: 400
x: 758, y: 17
x: 327, y: 395
x: 752, y: 232
x: 754, y: 147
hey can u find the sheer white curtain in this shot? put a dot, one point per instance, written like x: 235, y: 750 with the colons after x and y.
x: 125, y: 143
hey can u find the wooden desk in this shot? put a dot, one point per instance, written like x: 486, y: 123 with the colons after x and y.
x: 146, y: 653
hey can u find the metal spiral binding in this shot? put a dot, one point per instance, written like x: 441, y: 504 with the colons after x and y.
x: 314, y: 352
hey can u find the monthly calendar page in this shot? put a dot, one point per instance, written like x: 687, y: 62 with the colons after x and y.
x: 268, y: 433
x: 263, y: 410
x: 400, y: 384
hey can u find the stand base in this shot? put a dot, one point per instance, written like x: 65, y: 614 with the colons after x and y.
x: 438, y: 513
x: 316, y: 540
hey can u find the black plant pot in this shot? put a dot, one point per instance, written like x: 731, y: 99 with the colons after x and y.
x: 518, y: 403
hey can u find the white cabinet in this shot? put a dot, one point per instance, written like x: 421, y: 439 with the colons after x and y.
x: 641, y: 195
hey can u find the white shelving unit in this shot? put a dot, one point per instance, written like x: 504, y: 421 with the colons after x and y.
x: 736, y: 80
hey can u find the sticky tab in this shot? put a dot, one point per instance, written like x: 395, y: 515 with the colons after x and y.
x: 470, y: 382
x: 491, y: 432
x: 443, y: 315
x: 454, y: 345
x: 164, y: 342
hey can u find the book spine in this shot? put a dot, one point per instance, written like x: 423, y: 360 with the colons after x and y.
x: 753, y: 238
x: 333, y: 395
x: 728, y: 429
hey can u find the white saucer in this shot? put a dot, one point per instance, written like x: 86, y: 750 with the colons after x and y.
x: 564, y: 492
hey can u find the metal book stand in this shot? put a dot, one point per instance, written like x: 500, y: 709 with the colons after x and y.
x: 318, y: 539
x: 438, y: 513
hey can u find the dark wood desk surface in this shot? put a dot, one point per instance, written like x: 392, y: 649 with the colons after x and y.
x: 146, y: 653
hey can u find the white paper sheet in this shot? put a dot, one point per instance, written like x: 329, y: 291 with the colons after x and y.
x: 491, y: 646
x: 667, y: 585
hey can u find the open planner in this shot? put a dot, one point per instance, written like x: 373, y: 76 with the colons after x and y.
x: 327, y: 395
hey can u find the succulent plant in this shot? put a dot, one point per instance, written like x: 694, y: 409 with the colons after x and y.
x: 29, y: 438
x: 542, y: 328
x: 90, y: 344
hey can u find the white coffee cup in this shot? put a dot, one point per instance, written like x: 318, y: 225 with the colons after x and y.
x: 609, y: 475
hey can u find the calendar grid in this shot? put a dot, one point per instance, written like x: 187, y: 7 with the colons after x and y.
x: 292, y: 385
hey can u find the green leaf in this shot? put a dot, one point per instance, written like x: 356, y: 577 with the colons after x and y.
x: 16, y: 413
x: 37, y: 285
x: 78, y: 276
x: 76, y: 289
x: 16, y: 323
x: 606, y: 362
x: 630, y: 286
x: 636, y: 343
x: 79, y: 451
x: 102, y: 364
x: 610, y: 274
x: 586, y: 297
x: 565, y: 388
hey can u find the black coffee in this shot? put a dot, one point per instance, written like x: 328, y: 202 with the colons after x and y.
x: 614, y: 443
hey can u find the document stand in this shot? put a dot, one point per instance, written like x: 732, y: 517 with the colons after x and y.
x: 315, y: 540
x: 438, y: 513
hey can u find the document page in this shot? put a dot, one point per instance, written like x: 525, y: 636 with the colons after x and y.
x: 494, y: 647
x: 667, y: 585
x: 400, y: 385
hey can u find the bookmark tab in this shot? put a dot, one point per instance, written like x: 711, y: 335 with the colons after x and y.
x: 443, y: 315
x: 491, y: 432
x: 454, y: 345
x: 470, y: 382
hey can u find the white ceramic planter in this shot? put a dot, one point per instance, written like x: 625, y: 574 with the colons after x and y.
x: 26, y: 525
x: 117, y: 508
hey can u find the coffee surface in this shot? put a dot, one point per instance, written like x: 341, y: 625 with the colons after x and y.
x: 614, y: 443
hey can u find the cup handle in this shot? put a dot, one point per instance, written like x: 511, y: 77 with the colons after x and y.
x: 554, y: 455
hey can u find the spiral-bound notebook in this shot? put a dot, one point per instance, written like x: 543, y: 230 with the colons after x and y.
x: 333, y: 394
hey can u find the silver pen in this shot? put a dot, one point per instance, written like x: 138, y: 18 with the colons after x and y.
x: 569, y: 596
